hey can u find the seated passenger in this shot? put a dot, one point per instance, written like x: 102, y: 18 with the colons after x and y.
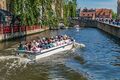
x: 54, y: 44
x: 51, y: 45
x: 29, y: 46
x: 36, y: 49
x: 35, y: 43
x: 26, y: 46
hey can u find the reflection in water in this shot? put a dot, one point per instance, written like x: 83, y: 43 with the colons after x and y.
x: 100, y: 60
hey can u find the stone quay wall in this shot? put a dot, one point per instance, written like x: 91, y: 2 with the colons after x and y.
x: 109, y: 28
x: 11, y: 33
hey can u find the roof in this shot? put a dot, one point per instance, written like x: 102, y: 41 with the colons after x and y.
x: 103, y: 11
x: 88, y: 10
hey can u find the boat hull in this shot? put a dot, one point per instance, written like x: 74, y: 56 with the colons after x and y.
x: 44, y: 53
x: 53, y: 51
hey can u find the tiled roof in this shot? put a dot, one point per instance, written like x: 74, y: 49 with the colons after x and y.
x: 99, y: 13
x: 104, y: 12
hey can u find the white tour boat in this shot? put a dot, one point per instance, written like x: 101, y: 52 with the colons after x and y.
x: 34, y: 55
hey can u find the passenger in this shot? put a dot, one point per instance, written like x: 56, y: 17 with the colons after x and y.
x: 57, y: 43
x: 43, y: 38
x: 62, y: 42
x: 48, y: 46
x: 34, y: 48
x: 49, y: 40
x: 51, y: 45
x: 45, y: 43
x: 59, y: 37
x: 54, y: 44
x: 34, y: 43
x: 26, y: 46
x: 41, y: 41
x: 37, y: 43
x: 65, y: 37
x: 29, y: 46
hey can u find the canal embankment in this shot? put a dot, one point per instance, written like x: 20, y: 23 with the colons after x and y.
x: 106, y: 27
x: 109, y: 28
x: 15, y: 32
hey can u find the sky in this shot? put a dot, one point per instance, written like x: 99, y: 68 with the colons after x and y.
x: 110, y: 4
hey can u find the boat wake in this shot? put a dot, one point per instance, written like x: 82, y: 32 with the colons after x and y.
x: 23, y: 60
x: 17, y: 59
x: 79, y: 45
x: 10, y: 64
x: 2, y: 58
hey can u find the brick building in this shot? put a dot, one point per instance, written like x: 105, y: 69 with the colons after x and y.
x: 89, y: 14
x: 96, y: 13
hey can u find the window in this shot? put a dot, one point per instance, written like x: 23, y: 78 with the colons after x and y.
x: 83, y: 14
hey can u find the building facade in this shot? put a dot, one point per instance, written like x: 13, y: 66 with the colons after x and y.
x: 96, y: 13
x: 3, y: 4
x: 104, y: 13
x: 87, y: 13
x: 118, y: 9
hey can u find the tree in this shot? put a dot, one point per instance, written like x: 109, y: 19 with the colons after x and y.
x: 41, y: 12
x: 69, y: 10
x: 114, y: 15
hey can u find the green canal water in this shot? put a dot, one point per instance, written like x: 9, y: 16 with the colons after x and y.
x: 99, y: 60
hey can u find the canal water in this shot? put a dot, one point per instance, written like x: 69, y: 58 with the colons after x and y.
x: 99, y: 60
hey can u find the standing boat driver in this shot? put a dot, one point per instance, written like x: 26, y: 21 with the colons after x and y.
x: 21, y: 46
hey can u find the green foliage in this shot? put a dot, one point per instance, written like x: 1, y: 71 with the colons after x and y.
x: 114, y: 15
x: 35, y: 12
x: 69, y: 10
